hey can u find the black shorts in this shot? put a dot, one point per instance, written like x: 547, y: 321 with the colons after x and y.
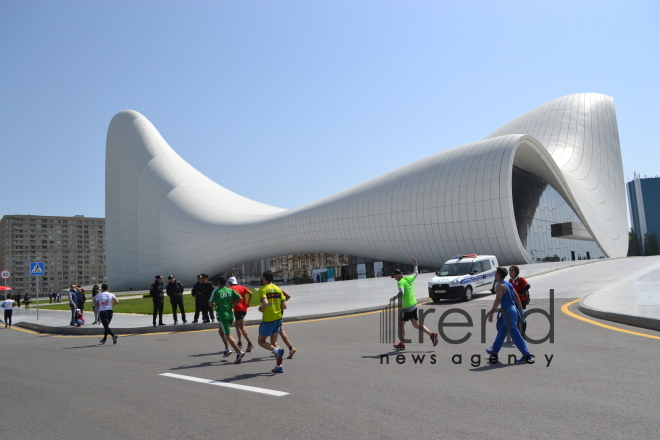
x: 239, y: 315
x: 407, y: 316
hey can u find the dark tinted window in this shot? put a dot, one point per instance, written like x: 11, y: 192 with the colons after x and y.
x: 454, y: 269
x: 485, y: 265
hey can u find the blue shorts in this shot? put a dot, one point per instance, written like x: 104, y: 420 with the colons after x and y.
x: 270, y: 328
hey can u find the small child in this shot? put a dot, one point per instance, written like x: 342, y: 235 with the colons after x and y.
x: 80, y: 320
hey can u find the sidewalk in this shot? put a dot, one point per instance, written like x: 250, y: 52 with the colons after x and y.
x: 634, y: 300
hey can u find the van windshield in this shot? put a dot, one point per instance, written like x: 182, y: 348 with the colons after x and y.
x: 454, y: 269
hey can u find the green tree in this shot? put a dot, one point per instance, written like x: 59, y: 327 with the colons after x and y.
x: 633, y: 244
x: 651, y: 246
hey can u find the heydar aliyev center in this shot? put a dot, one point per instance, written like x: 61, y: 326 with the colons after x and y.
x: 547, y: 186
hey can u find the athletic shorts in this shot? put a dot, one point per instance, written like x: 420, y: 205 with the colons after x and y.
x: 225, y: 325
x: 239, y: 315
x: 270, y: 328
x: 407, y: 316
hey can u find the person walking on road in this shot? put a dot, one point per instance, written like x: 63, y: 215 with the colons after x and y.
x: 156, y: 292
x: 271, y: 298
x: 17, y: 298
x: 27, y: 301
x: 240, y: 310
x: 521, y: 286
x: 174, y: 290
x: 8, y: 305
x: 73, y: 303
x: 508, y: 317
x: 225, y: 299
x: 105, y: 301
x: 283, y: 335
x: 409, y: 305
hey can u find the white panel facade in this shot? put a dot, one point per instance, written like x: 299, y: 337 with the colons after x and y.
x: 163, y: 216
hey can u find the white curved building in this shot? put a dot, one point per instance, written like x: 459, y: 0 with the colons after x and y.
x: 546, y: 186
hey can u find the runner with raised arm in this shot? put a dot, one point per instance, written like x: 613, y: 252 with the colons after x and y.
x: 409, y: 306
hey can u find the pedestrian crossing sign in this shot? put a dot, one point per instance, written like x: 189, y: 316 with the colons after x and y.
x: 37, y: 269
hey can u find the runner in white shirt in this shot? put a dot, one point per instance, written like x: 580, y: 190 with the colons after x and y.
x: 8, y: 305
x: 104, y: 301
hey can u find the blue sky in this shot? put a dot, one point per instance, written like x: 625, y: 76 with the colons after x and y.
x: 288, y: 102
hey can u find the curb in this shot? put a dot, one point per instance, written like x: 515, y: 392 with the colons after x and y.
x: 635, y: 321
x: 181, y: 328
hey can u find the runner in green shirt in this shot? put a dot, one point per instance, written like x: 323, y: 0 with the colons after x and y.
x: 409, y: 306
x: 224, y: 300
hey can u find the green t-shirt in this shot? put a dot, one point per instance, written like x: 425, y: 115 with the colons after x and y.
x: 406, y: 284
x: 274, y: 294
x: 224, y: 297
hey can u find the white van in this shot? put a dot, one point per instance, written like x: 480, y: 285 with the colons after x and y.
x: 462, y: 275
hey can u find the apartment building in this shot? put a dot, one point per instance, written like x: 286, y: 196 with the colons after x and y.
x: 73, y: 249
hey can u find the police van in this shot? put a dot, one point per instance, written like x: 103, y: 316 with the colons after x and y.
x: 462, y: 275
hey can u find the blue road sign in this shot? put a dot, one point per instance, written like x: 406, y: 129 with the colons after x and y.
x: 37, y: 269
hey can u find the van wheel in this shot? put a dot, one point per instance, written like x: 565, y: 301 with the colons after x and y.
x: 467, y: 296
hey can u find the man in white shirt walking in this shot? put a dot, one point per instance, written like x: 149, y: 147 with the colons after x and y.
x: 104, y: 301
x: 8, y: 305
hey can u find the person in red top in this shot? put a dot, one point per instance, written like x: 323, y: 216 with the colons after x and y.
x: 240, y: 310
x: 521, y: 286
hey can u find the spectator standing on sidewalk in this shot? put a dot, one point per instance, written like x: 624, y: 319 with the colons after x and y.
x: 95, y: 291
x: 81, y: 298
x: 17, y: 298
x: 157, y: 295
x: 174, y: 290
x: 73, y: 303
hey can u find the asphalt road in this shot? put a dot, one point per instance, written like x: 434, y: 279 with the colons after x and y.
x: 600, y: 384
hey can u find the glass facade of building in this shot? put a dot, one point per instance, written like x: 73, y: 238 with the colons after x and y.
x: 537, y: 206
x: 644, y: 203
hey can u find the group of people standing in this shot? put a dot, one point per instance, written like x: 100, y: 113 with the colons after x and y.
x: 54, y: 297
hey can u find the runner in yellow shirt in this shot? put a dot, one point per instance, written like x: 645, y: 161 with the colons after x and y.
x: 272, y: 304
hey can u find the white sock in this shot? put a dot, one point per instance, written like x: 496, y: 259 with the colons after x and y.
x: 275, y: 350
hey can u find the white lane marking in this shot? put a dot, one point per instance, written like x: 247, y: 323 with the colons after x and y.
x: 226, y: 384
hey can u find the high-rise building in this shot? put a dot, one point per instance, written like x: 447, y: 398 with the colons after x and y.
x: 73, y: 249
x: 644, y: 203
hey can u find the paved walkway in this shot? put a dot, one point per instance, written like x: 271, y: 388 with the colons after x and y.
x: 634, y: 299
x: 568, y: 279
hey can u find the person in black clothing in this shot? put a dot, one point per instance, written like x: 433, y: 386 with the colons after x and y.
x: 202, y: 293
x: 156, y: 292
x: 17, y: 298
x: 81, y: 298
x: 174, y: 290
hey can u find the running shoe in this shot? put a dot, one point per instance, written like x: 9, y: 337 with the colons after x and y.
x: 239, y: 356
x: 529, y: 359
x: 249, y: 347
x: 114, y: 339
x: 434, y: 338
x: 280, y: 355
x: 227, y: 353
x: 240, y: 344
x: 491, y: 351
x: 278, y: 369
x: 102, y: 341
x: 292, y: 351
x: 400, y: 346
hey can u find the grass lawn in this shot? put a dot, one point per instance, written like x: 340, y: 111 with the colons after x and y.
x: 145, y: 306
